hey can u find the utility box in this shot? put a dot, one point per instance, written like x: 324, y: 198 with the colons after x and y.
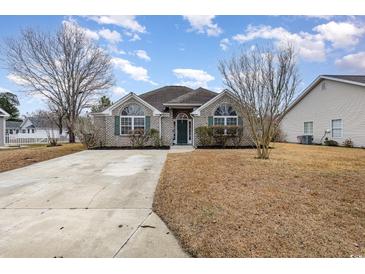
x: 305, y: 139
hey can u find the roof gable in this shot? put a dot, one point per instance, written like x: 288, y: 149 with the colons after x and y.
x: 121, y: 101
x: 3, y: 113
x: 358, y: 80
x: 211, y: 101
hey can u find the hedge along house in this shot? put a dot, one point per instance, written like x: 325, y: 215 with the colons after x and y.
x: 175, y: 111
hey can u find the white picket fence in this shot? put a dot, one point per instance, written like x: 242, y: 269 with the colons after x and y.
x: 15, y: 141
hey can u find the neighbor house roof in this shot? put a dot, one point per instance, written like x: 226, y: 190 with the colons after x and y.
x: 13, y: 124
x: 351, y: 78
x: 3, y: 113
x: 198, y: 97
x: 159, y: 96
x: 358, y: 80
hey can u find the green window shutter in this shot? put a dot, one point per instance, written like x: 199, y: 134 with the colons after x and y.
x: 147, y: 123
x: 210, y: 121
x: 240, y: 122
x: 116, y: 125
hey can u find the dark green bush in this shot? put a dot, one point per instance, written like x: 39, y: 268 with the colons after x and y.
x: 332, y: 143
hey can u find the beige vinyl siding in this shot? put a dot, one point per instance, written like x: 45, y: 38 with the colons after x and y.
x: 336, y: 101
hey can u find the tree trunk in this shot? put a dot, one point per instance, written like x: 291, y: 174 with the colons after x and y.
x: 71, y: 136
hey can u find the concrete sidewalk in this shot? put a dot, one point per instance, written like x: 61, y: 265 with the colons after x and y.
x: 87, y: 204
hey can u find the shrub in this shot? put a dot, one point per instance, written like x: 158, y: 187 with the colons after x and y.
x: 348, y: 143
x: 279, y: 136
x: 219, y: 135
x: 138, y: 138
x: 328, y: 142
x: 87, y: 132
x: 204, y: 135
x: 155, y: 137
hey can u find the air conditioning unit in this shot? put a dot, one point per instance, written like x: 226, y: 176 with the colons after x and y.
x: 305, y: 139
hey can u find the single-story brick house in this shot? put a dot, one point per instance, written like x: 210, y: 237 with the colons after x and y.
x: 175, y: 111
x: 333, y: 107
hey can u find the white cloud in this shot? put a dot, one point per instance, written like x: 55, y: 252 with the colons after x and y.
x: 224, y: 44
x: 88, y: 32
x: 135, y: 72
x: 134, y: 36
x: 128, y: 22
x: 119, y: 91
x: 142, y: 54
x: 16, y: 79
x: 355, y: 62
x: 193, y: 77
x: 310, y: 47
x: 340, y: 34
x: 203, y: 24
x: 111, y: 36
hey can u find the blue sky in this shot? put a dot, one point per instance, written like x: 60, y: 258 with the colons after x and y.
x: 153, y: 51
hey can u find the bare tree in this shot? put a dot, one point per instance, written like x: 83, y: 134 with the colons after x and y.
x: 264, y: 82
x: 66, y: 68
x: 58, y: 116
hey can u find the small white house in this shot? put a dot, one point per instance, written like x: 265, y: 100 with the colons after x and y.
x: 32, y: 127
x: 333, y: 107
x: 3, y: 116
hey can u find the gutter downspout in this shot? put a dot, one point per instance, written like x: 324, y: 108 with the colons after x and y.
x: 160, y: 127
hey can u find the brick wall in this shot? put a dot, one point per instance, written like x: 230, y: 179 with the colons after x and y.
x: 202, y: 120
x: 106, y: 124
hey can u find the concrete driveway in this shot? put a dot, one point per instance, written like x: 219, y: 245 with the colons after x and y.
x: 88, y: 204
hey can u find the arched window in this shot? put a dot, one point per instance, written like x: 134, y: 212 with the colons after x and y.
x: 225, y: 110
x: 225, y: 115
x: 182, y: 116
x: 132, y: 118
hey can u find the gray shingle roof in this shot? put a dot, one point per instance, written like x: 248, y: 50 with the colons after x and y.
x: 198, y: 96
x: 353, y: 78
x: 13, y: 124
x: 165, y: 94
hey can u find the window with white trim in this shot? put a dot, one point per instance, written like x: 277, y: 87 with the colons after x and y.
x: 132, y: 118
x: 336, y: 128
x: 308, y: 128
x: 225, y: 115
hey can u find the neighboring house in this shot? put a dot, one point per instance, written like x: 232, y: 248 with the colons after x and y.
x: 175, y: 111
x: 32, y: 127
x: 333, y: 106
x: 3, y: 116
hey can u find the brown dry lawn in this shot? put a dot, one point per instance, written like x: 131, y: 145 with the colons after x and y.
x: 306, y: 201
x: 20, y: 157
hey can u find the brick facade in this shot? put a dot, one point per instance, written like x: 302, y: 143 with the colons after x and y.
x: 105, y: 123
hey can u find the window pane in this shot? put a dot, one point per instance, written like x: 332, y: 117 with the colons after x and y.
x: 126, y: 121
x: 225, y: 110
x: 125, y: 129
x: 336, y: 133
x: 133, y: 110
x: 219, y: 121
x: 336, y: 123
x: 308, y: 128
x: 337, y: 128
x: 139, y: 124
x: 231, y: 121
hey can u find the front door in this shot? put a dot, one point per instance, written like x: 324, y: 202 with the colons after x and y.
x: 182, y: 131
